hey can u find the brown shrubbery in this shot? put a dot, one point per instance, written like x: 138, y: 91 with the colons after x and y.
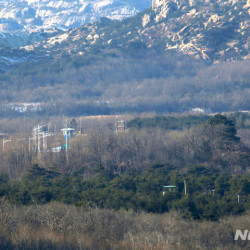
x: 59, y: 226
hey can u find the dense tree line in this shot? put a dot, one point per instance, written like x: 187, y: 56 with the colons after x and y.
x: 240, y: 119
x: 167, y: 122
x: 210, y: 194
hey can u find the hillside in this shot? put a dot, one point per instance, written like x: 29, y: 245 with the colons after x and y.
x: 213, y: 31
x: 35, y: 15
x: 175, y: 56
x: 26, y: 22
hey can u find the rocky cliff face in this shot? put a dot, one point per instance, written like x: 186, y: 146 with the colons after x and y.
x: 212, y: 30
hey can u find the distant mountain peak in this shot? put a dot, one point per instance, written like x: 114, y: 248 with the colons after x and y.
x: 35, y: 15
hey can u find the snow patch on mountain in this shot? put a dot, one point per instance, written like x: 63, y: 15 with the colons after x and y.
x: 35, y: 15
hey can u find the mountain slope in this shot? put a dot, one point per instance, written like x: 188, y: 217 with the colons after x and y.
x: 213, y: 31
x: 174, y: 57
x: 35, y: 15
x: 217, y: 30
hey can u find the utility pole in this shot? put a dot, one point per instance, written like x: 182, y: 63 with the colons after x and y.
x: 35, y: 138
x: 67, y: 153
x: 29, y: 143
x: 24, y: 123
x: 44, y: 141
x: 238, y: 198
x: 80, y: 125
x: 185, y: 187
x: 38, y: 140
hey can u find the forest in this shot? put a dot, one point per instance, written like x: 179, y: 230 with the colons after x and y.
x: 102, y: 83
x: 165, y: 144
x: 210, y: 194
x: 110, y: 193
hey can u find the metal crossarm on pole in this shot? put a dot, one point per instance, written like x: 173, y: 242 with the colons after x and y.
x: 5, y: 141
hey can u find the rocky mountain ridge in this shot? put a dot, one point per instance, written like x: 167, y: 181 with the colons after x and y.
x: 207, y: 30
x: 213, y: 31
x: 218, y: 29
x: 36, y: 15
